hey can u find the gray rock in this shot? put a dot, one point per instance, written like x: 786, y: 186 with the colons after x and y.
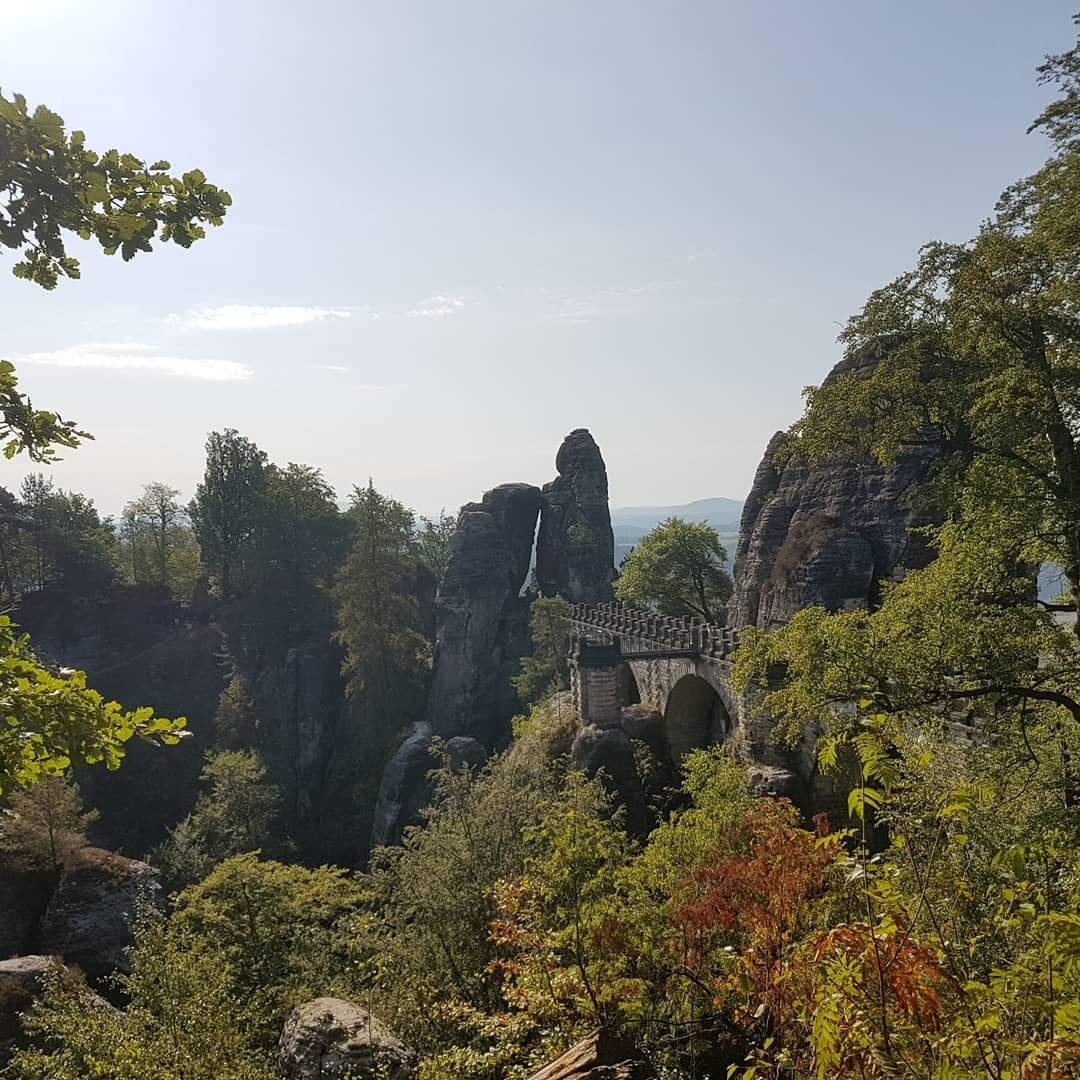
x: 88, y: 921
x: 481, y: 618
x: 22, y: 979
x: 575, y: 548
x: 405, y: 789
x: 610, y: 751
x: 826, y: 534
x: 331, y: 1039
x: 772, y: 780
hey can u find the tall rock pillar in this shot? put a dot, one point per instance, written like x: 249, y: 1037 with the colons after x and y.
x: 575, y: 550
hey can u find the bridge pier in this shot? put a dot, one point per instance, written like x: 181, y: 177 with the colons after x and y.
x: 594, y: 681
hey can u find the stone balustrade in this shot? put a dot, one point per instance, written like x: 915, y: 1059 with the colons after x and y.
x: 645, y: 631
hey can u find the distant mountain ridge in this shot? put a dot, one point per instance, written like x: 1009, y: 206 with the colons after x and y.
x: 631, y: 523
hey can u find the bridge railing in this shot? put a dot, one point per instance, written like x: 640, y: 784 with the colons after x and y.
x: 644, y: 631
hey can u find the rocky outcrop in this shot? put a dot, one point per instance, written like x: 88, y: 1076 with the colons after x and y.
x: 22, y: 979
x: 575, y: 549
x: 827, y: 534
x: 406, y: 788
x: 599, y: 1056
x: 633, y: 759
x: 88, y: 921
x: 331, y: 1039
x: 481, y: 617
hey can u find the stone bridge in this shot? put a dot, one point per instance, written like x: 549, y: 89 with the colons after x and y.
x: 681, y: 667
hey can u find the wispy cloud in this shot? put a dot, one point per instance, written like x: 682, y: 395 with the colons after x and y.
x: 337, y: 369
x: 131, y: 356
x: 435, y: 307
x: 253, y: 316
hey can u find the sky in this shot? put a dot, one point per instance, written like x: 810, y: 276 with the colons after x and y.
x: 462, y: 229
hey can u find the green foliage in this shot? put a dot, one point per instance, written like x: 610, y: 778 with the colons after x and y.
x: 300, y: 534
x: 52, y: 185
x: 182, y: 1020
x: 51, y: 721
x: 44, y: 823
x: 678, y: 569
x: 436, y: 898
x: 56, y: 538
x: 225, y: 510
x: 378, y: 616
x: 956, y: 642
x: 548, y: 668
x: 285, y: 934
x: 157, y: 545
x: 37, y: 432
x: 236, y: 814
x: 433, y: 542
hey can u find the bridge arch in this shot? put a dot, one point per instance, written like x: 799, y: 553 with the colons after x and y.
x: 626, y: 685
x: 694, y: 716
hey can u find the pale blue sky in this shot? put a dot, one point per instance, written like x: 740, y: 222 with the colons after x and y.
x: 461, y: 229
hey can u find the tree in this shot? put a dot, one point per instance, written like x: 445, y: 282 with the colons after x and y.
x: 158, y: 508
x: 53, y: 720
x: 286, y: 933
x: 225, y: 510
x: 180, y: 1020
x: 678, y: 569
x: 433, y: 542
x: 976, y: 353
x: 236, y: 814
x: 548, y: 668
x: 52, y: 185
x: 379, y: 617
x: 46, y: 822
x: 300, y: 534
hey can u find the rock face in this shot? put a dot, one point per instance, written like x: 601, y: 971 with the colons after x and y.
x: 826, y: 534
x: 575, y: 550
x: 88, y: 921
x: 331, y: 1039
x: 481, y: 617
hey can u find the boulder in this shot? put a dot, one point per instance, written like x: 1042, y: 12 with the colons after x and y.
x: 599, y: 1056
x: 331, y: 1039
x: 827, y: 534
x: 22, y: 978
x: 775, y: 781
x: 610, y: 751
x: 575, y: 548
x: 88, y: 921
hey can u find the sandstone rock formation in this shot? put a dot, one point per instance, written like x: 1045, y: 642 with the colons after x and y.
x: 331, y: 1039
x: 88, y: 921
x: 22, y: 978
x: 24, y: 896
x: 481, y: 619
x: 826, y: 534
x: 575, y: 550
x: 481, y: 615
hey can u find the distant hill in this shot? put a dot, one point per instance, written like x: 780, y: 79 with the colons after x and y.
x: 631, y: 523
